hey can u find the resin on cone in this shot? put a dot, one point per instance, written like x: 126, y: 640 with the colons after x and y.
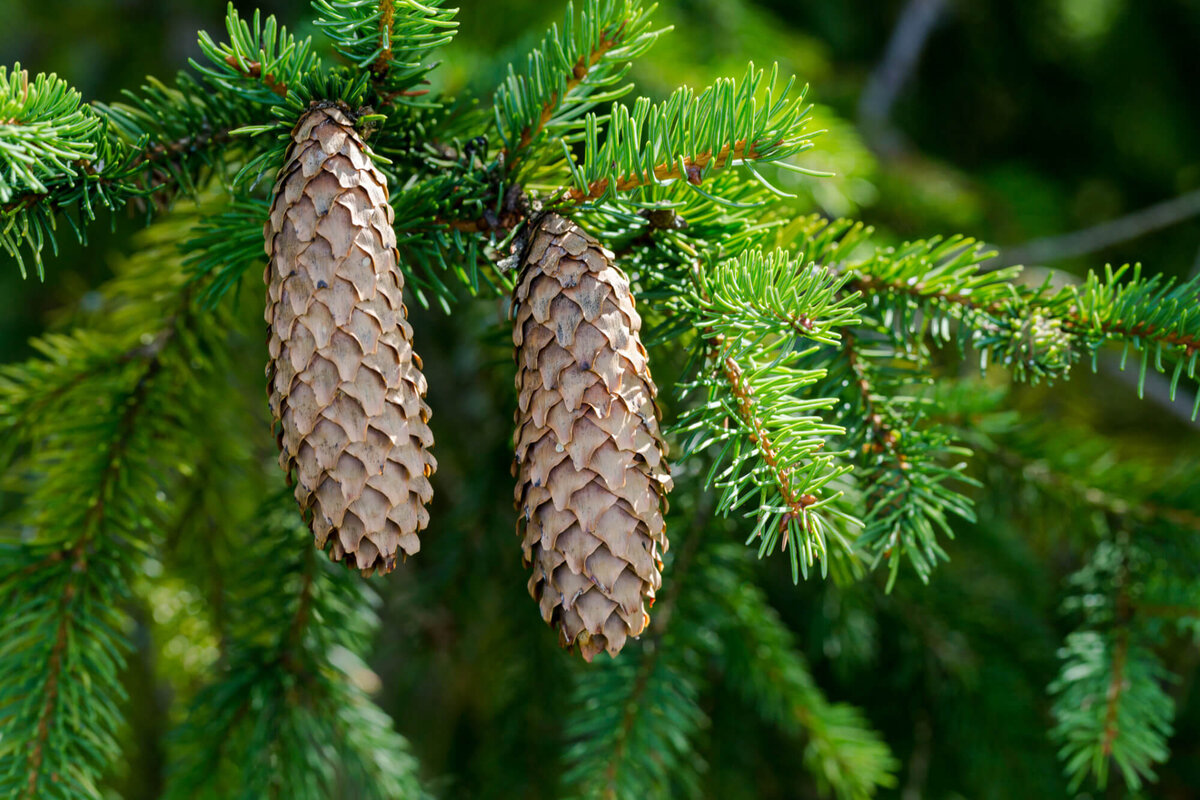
x: 590, y: 462
x: 345, y: 387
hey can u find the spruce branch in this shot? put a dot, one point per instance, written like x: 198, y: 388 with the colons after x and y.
x: 1078, y: 468
x: 640, y: 717
x: 687, y: 168
x: 881, y: 433
x: 809, y: 387
x: 755, y: 313
x: 130, y: 173
x: 158, y: 144
x: 1037, y: 332
x: 228, y: 244
x: 641, y: 714
x: 97, y: 470
x: 28, y: 220
x: 292, y: 693
x: 1065, y: 472
x: 584, y: 64
x: 760, y: 661
x: 72, y: 618
x: 1155, y: 316
x: 259, y: 61
x: 922, y: 287
x: 569, y: 73
x: 33, y: 391
x: 224, y: 246
x: 904, y: 460
x: 146, y: 310
x: 689, y: 136
x: 636, y: 743
x: 45, y: 131
x: 430, y: 249
x: 60, y: 681
x: 677, y: 225
x: 761, y: 296
x: 254, y: 69
x: 1111, y: 709
x: 1116, y: 688
x: 390, y: 39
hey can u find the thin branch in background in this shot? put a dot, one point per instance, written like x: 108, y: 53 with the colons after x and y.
x: 1157, y: 389
x: 918, y: 762
x: 1106, y: 234
x: 900, y: 58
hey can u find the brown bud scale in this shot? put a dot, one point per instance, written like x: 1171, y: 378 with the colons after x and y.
x: 345, y: 387
x: 590, y: 462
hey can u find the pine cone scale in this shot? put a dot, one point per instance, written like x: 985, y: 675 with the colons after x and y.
x: 345, y: 386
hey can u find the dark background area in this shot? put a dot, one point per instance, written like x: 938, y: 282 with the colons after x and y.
x: 1019, y: 121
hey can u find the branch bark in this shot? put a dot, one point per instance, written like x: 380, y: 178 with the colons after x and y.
x: 740, y: 151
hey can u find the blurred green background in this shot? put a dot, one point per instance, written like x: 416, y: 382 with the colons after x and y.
x: 1007, y: 121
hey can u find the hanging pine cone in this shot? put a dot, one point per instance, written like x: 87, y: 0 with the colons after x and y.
x: 590, y: 463
x: 345, y: 385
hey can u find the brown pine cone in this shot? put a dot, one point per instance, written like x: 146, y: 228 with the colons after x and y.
x: 345, y: 386
x: 590, y: 462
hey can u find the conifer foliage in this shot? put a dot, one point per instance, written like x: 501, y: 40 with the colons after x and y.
x: 809, y: 405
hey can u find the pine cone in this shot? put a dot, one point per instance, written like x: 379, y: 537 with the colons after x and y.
x: 590, y: 462
x: 345, y: 386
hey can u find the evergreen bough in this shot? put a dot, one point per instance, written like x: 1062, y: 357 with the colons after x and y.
x: 813, y: 398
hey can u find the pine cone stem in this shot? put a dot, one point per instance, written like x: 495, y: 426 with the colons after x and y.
x: 590, y: 461
x: 345, y: 386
